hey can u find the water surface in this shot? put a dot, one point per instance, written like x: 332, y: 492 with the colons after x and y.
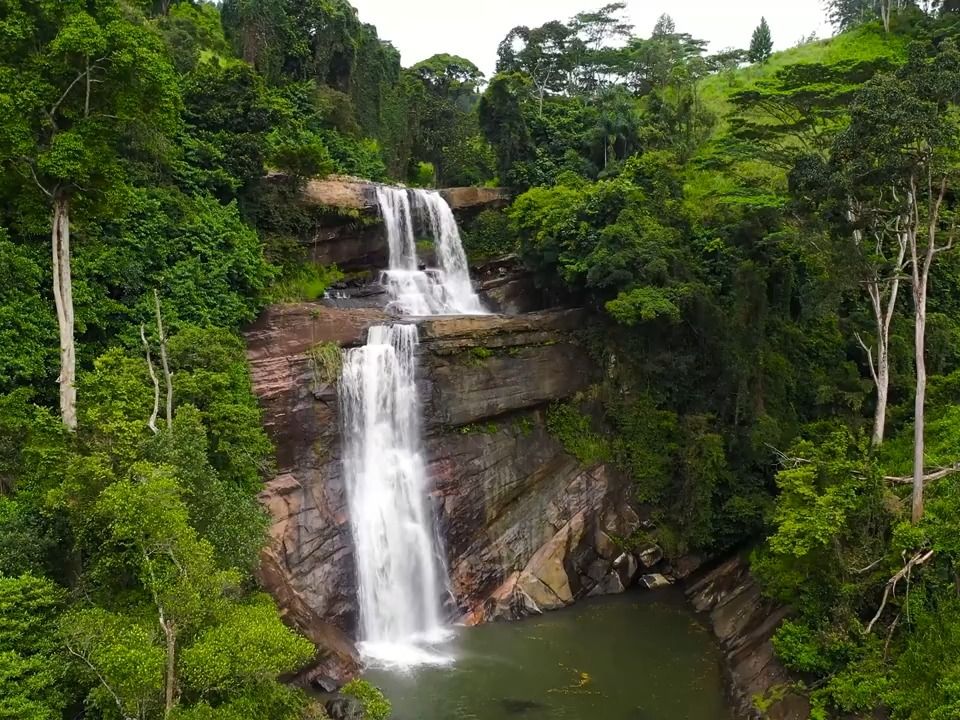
x: 638, y: 656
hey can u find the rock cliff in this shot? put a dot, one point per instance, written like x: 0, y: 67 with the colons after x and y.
x: 525, y: 526
x: 347, y: 231
x: 744, y: 623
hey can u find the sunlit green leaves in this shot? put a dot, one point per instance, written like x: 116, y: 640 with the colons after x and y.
x: 247, y: 646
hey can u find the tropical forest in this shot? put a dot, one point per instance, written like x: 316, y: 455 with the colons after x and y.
x: 620, y: 382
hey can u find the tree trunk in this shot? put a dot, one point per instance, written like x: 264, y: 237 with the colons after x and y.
x: 883, y: 293
x: 63, y: 299
x: 921, y: 280
x: 920, y: 300
x: 170, y: 634
x: 167, y: 375
x: 883, y: 391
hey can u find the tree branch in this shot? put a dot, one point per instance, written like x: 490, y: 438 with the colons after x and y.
x: 891, y: 586
x: 873, y: 366
x: 936, y: 475
x: 33, y: 173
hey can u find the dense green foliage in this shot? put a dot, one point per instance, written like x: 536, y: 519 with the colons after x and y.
x: 732, y: 224
x: 727, y: 224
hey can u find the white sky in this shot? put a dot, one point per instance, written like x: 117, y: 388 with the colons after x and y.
x: 474, y: 28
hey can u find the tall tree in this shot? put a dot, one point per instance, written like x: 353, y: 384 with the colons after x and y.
x: 542, y: 54
x: 447, y: 132
x: 845, y: 14
x: 902, y: 145
x: 86, y: 83
x: 761, y: 44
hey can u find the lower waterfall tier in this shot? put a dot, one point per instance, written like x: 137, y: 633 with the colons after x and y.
x: 526, y: 527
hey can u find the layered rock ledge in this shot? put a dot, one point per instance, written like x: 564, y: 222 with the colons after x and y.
x: 744, y: 623
x: 526, y: 527
x: 349, y: 193
x: 348, y: 231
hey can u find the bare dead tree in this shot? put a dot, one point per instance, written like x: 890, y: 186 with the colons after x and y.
x: 891, y: 587
x: 63, y: 300
x: 152, y: 423
x: 167, y: 375
x: 883, y: 289
x: 925, y: 241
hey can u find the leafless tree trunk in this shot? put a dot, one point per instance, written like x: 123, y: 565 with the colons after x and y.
x: 63, y: 299
x: 167, y: 375
x: 152, y: 422
x: 921, y: 260
x: 885, y: 12
x: 883, y: 293
x: 170, y: 688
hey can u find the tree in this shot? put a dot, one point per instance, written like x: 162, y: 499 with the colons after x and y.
x: 798, y: 111
x: 542, y: 54
x: 85, y: 89
x: 30, y: 666
x: 901, y: 148
x: 502, y: 118
x: 447, y: 130
x: 761, y: 44
x: 845, y: 14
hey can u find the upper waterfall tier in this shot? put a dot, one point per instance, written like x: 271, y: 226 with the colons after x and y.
x: 444, y: 290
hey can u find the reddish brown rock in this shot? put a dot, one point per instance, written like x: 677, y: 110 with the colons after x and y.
x: 347, y: 231
x: 349, y: 193
x: 474, y: 198
x: 525, y: 526
x: 343, y: 192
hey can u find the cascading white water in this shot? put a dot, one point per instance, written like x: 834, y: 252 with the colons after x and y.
x: 399, y: 566
x: 445, y: 290
x: 398, y: 569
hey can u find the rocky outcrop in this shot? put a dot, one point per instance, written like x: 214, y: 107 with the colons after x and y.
x: 526, y: 527
x: 463, y: 199
x: 347, y: 230
x: 744, y: 622
x: 349, y: 193
x: 510, y: 288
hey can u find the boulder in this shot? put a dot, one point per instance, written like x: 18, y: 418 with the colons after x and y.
x: 611, y: 584
x: 649, y: 554
x: 654, y: 581
x: 545, y: 578
x: 685, y: 566
x: 344, y: 707
x: 606, y: 548
x: 627, y: 567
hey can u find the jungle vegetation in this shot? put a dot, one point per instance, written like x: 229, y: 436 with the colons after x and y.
x: 768, y: 238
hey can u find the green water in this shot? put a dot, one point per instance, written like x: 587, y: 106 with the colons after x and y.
x: 639, y: 656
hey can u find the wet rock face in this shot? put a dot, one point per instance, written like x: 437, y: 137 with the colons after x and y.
x: 526, y: 527
x: 745, y: 622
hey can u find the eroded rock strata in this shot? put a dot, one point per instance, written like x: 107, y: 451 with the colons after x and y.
x: 526, y: 527
x: 347, y: 230
x: 744, y: 623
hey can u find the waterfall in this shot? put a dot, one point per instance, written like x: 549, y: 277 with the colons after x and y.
x: 400, y: 572
x: 398, y: 569
x: 444, y: 290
